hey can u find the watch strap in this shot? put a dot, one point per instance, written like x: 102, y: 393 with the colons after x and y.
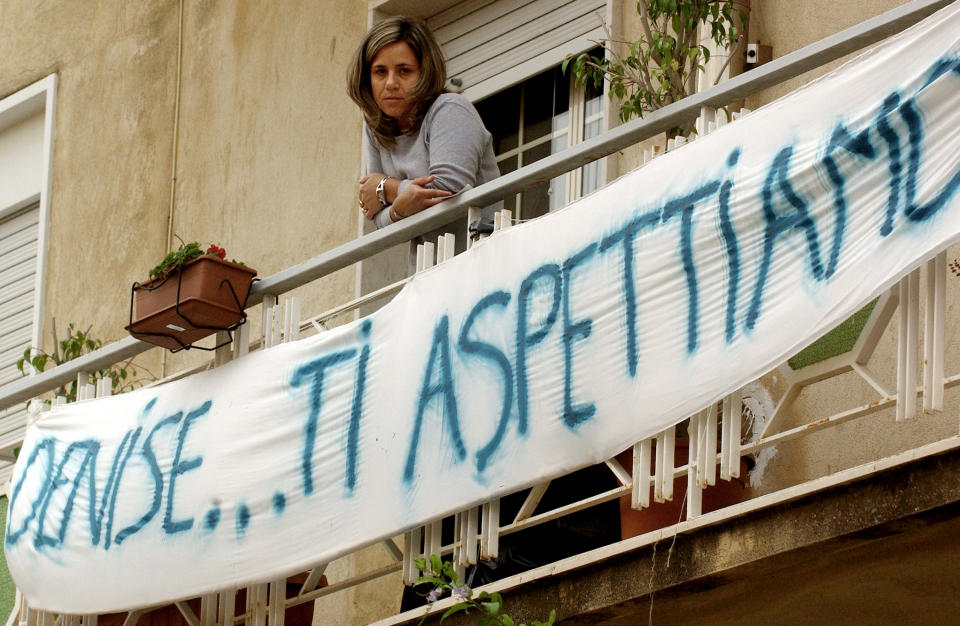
x: 381, y: 193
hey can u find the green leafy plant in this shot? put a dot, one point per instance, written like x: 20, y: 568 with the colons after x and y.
x: 488, y: 606
x: 657, y: 69
x: 75, y: 344
x: 185, y: 253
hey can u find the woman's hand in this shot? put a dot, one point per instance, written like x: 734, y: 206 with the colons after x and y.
x: 369, y: 203
x: 416, y: 197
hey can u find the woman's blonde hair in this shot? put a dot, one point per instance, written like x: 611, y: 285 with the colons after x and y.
x: 433, y: 73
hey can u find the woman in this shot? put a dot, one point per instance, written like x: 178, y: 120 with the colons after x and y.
x: 421, y: 144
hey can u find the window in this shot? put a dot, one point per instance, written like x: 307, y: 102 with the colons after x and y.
x: 491, y: 47
x: 18, y: 270
x: 26, y: 142
x: 504, y: 56
x: 534, y: 119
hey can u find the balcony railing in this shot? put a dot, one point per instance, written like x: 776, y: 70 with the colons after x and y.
x: 715, y: 443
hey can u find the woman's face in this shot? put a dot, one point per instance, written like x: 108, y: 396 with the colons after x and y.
x: 394, y: 74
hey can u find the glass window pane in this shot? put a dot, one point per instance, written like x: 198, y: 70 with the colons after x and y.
x: 535, y: 200
x: 592, y: 126
x: 591, y: 178
x: 537, y: 106
x: 540, y: 105
x: 593, y: 106
x: 561, y: 124
x: 536, y: 153
x: 558, y: 186
x: 499, y: 115
x: 561, y: 96
x: 506, y: 166
x: 558, y: 192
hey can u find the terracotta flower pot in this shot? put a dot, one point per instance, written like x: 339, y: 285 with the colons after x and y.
x: 661, y: 514
x: 206, y: 295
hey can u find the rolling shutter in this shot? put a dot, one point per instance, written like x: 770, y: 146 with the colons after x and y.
x: 492, y: 45
x: 18, y: 269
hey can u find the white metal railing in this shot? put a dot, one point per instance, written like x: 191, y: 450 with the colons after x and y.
x: 677, y: 114
x: 714, y: 433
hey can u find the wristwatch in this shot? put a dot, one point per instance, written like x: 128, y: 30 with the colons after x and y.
x: 381, y: 195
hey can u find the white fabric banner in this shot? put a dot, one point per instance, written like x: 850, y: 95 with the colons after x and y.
x: 551, y: 346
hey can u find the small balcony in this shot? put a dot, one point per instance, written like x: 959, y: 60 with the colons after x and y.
x: 793, y: 489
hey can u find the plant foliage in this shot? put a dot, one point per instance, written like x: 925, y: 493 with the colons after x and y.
x: 185, y: 253
x: 487, y: 606
x: 75, y: 344
x: 658, y: 68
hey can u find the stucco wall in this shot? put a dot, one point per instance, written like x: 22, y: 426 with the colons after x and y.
x: 268, y: 156
x: 787, y: 25
x: 268, y: 150
x: 267, y: 160
x: 870, y: 438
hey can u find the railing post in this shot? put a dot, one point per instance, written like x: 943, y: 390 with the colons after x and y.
x: 695, y: 459
x: 83, y: 386
x: 208, y: 609
x: 227, y: 606
x: 730, y: 441
x: 663, y: 477
x: 640, y: 487
x: 271, y: 324
x: 291, y: 320
x: 934, y: 342
x: 241, y: 341
x: 709, y: 476
x: 411, y: 550
x: 474, y: 213
x: 224, y: 353
x: 104, y: 387
x: 490, y: 522
x: 465, y: 550
x: 278, y: 599
x: 907, y: 346
x: 256, y: 613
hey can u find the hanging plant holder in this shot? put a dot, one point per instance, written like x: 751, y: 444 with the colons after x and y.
x: 204, y: 296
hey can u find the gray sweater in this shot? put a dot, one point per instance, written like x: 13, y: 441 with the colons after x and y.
x: 452, y: 145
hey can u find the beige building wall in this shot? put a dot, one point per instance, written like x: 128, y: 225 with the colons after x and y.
x: 267, y: 158
x: 268, y: 152
x: 268, y: 144
x: 787, y: 25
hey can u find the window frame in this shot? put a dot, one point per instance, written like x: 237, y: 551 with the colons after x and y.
x: 573, y: 132
x: 35, y: 98
x: 381, y: 270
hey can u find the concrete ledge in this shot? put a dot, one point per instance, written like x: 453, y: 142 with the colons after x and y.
x: 879, y: 549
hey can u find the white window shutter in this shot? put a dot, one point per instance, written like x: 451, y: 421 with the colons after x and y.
x: 18, y: 269
x: 492, y: 45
